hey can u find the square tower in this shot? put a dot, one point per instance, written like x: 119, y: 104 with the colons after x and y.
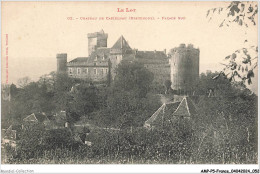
x: 96, y: 40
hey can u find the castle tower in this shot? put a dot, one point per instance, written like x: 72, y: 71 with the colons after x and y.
x: 96, y: 40
x: 61, y: 62
x: 118, y: 51
x: 184, y: 67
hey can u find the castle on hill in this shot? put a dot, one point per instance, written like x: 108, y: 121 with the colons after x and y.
x: 180, y: 65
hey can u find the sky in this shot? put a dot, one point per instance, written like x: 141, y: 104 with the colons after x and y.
x: 37, y: 31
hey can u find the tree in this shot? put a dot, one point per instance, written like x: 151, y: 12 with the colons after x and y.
x: 62, y: 87
x: 241, y: 64
x: 48, y: 80
x: 83, y: 99
x: 133, y: 76
x: 22, y: 82
x: 128, y: 99
x: 230, y: 118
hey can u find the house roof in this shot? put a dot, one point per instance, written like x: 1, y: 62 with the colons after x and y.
x: 121, y: 43
x: 10, y: 133
x: 38, y: 117
x: 164, y: 112
x: 186, y: 108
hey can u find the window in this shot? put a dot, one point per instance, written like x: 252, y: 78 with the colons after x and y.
x: 96, y: 58
x: 78, y: 70
x: 70, y: 70
x: 106, y: 71
x: 85, y: 70
x: 95, y: 71
x: 102, y: 71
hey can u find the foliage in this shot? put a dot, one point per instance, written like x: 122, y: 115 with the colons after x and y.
x: 22, y: 82
x: 51, y: 94
x: 32, y: 98
x: 30, y: 141
x: 241, y: 64
x: 222, y: 137
x: 242, y: 13
x: 132, y: 76
x: 128, y: 101
x: 62, y: 87
x: 57, y: 138
x: 84, y: 99
x: 223, y: 131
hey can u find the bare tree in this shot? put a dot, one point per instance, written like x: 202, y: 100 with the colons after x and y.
x: 22, y: 82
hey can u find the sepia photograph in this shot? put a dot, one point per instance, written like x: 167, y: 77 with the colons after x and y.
x: 129, y: 83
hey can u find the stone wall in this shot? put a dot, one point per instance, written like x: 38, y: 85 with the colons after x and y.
x: 161, y: 72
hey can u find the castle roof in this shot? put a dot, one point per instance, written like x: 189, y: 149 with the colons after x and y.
x: 151, y: 57
x: 79, y: 59
x: 100, y: 52
x: 100, y: 57
x: 151, y: 54
x: 121, y: 43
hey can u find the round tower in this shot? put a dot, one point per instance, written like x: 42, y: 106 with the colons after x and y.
x: 61, y: 62
x: 184, y: 67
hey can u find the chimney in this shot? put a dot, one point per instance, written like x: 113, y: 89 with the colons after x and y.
x: 164, y: 51
x: 190, y: 46
x: 135, y: 51
x: 182, y: 46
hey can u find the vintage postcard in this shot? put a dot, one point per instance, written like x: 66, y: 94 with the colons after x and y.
x: 129, y: 83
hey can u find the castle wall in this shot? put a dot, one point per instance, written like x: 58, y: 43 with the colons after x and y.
x: 184, y: 67
x: 88, y: 72
x: 161, y: 72
x: 115, y: 60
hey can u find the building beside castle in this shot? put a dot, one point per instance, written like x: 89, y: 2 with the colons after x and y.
x: 102, y: 61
